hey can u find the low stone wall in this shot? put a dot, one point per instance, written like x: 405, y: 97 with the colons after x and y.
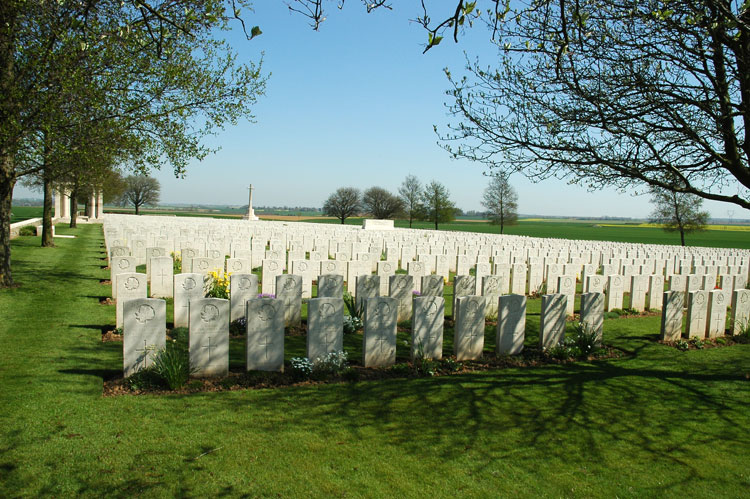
x: 15, y: 228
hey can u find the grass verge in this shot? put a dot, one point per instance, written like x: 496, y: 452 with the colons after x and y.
x: 656, y: 422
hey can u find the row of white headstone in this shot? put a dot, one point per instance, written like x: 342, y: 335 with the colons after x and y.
x: 271, y: 240
x: 144, y: 329
x: 706, y: 313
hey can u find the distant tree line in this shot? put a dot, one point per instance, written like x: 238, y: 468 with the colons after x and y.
x: 413, y: 201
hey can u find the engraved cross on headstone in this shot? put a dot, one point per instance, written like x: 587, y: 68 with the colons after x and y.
x: 208, y: 347
x: 162, y: 275
x: 143, y: 358
x: 265, y: 342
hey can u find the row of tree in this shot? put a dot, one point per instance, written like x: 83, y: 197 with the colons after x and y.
x: 89, y: 88
x: 414, y: 201
x: 430, y: 202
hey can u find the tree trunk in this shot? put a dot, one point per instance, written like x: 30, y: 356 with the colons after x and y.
x: 7, y: 182
x: 410, y: 218
x: 9, y: 113
x: 138, y: 210
x: 47, y: 241
x: 74, y: 208
x: 682, y: 236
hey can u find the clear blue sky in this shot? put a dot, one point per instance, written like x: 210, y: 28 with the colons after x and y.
x: 354, y: 105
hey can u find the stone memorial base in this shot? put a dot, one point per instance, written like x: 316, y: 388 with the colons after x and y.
x: 373, y: 224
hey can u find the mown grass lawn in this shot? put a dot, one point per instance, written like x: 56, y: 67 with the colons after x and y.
x: 656, y: 422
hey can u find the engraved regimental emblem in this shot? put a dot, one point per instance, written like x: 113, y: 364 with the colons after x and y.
x: 267, y: 312
x: 188, y: 284
x: 131, y: 283
x: 144, y: 314
x: 209, y: 313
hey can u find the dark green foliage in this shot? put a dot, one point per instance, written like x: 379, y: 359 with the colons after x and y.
x: 172, y: 365
x: 27, y: 230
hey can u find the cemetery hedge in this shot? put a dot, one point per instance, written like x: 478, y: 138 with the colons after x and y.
x: 656, y: 422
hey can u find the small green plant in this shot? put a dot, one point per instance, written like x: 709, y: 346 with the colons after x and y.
x: 423, y: 366
x: 539, y: 291
x: 353, y: 321
x: 586, y: 339
x: 354, y: 309
x: 352, y: 324
x: 451, y: 365
x: 301, y: 368
x: 612, y: 314
x: 698, y: 343
x: 238, y: 327
x: 332, y: 364
x: 172, y: 365
x: 564, y: 350
x: 682, y: 345
x: 743, y: 331
x: 721, y: 340
x: 145, y: 379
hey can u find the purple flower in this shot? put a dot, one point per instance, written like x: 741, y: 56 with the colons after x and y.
x: 266, y: 295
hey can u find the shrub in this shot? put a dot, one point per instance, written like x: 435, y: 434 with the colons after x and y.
x: 566, y: 349
x: 172, y: 365
x: 27, y: 230
x: 300, y: 368
x: 321, y: 368
x: 352, y: 324
x: 682, y: 345
x: 332, y: 364
x: 238, y: 327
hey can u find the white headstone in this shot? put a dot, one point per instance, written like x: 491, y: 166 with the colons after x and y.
x: 468, y: 339
x: 242, y: 287
x: 144, y: 333
x: 209, y: 337
x: 187, y: 286
x: 379, y: 338
x: 552, y: 321
x: 427, y: 327
x: 129, y: 285
x: 697, y: 315
x: 592, y: 313
x: 671, y: 315
x: 265, y: 335
x: 325, y: 327
x: 511, y: 325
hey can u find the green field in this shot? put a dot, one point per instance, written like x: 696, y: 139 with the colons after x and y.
x: 585, y: 230
x: 656, y: 422
x: 21, y: 213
